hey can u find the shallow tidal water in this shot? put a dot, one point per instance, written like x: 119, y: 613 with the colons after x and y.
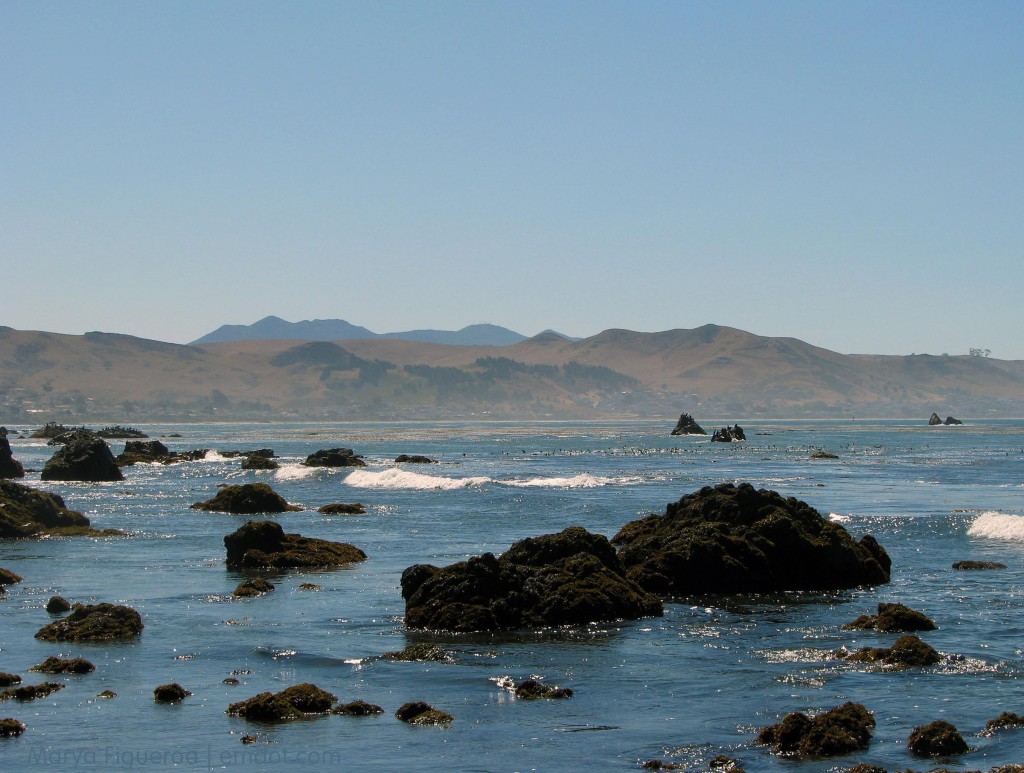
x: 699, y: 682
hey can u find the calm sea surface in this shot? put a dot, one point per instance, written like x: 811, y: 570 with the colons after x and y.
x: 683, y: 688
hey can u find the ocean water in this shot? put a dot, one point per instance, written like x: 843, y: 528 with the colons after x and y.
x: 698, y: 682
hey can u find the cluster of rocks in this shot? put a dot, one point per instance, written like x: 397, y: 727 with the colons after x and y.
x: 934, y: 420
x: 728, y: 434
x: 155, y: 452
x: 53, y: 430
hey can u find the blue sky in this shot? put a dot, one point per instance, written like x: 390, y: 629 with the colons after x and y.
x: 850, y: 174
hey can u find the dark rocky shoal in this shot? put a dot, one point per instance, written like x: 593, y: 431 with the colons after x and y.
x: 295, y: 702
x: 842, y: 730
x: 94, y: 622
x: 265, y: 544
x: 736, y: 539
x: 976, y: 566
x: 892, y: 618
x: 246, y: 499
x: 420, y: 713
x: 571, y: 577
x: 908, y: 651
x: 687, y: 425
x: 414, y: 459
x: 26, y: 512
x: 936, y: 739
x: 334, y: 457
x: 343, y: 508
x: 170, y: 693
x: 55, y: 665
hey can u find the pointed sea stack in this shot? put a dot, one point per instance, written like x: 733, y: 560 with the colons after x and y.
x: 687, y: 425
x: 83, y: 457
x: 736, y: 539
x: 9, y: 466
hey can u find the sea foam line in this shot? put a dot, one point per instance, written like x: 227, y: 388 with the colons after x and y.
x: 394, y: 478
x: 994, y: 525
x: 583, y: 480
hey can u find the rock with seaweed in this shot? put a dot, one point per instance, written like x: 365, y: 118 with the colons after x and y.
x: 296, y: 702
x: 246, y: 499
x: 83, y: 457
x: 357, y: 709
x: 254, y: 587
x: 58, y: 605
x: 738, y: 539
x: 27, y: 512
x: 334, y: 457
x: 11, y: 728
x: 170, y: 693
x: 892, y: 618
x: 259, y: 544
x: 842, y: 730
x: 572, y: 577
x: 908, y: 651
x: 936, y: 739
x: 421, y: 713
x: 343, y: 508
x: 94, y: 623
x: 55, y: 665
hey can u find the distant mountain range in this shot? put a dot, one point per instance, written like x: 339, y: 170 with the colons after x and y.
x: 715, y: 373
x: 275, y: 329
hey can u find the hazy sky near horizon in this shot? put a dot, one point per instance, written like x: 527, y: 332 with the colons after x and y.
x: 850, y: 174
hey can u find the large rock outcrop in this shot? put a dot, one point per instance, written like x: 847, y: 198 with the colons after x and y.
x: 247, y: 499
x: 26, y: 512
x: 83, y: 457
x: 687, y: 425
x: 737, y: 539
x: 260, y: 544
x: 567, y: 578
x: 94, y: 622
x: 9, y: 466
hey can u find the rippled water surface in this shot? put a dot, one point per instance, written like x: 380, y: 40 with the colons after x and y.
x: 698, y: 682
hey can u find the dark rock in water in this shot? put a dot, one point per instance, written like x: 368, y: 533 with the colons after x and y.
x: 246, y: 499
x: 26, y: 512
x: 51, y: 430
x: 842, y: 730
x: 94, y: 622
x: 863, y: 767
x: 107, y: 694
x: 414, y: 459
x: 254, y: 587
x: 892, y: 618
x: 531, y: 689
x: 144, y: 452
x: 907, y: 652
x: 170, y: 693
x: 972, y: 566
x: 11, y: 728
x: 84, y: 457
x: 950, y: 421
x: 31, y: 692
x: 420, y: 713
x: 687, y: 425
x: 567, y: 578
x: 1005, y: 719
x: 819, y: 454
x: 937, y: 739
x: 357, y: 709
x: 118, y: 432
x: 6, y: 680
x: 292, y: 703
x: 334, y: 457
x: 259, y: 461
x: 341, y: 508
x: 934, y: 420
x: 735, y: 539
x: 661, y: 765
x: 75, y: 433
x: 55, y: 665
x: 729, y: 434
x: 7, y: 577
x: 9, y: 466
x: 265, y: 544
x: 418, y: 653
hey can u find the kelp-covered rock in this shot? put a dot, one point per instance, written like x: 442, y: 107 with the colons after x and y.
x: 259, y: 461
x: 736, y: 539
x: 1004, y: 720
x: 170, y: 693
x: 265, y: 544
x: 334, y: 457
x: 55, y: 665
x: 58, y: 605
x: 977, y: 566
x: 842, y: 730
x: 908, y: 651
x: 247, y: 499
x: 892, y: 618
x: 254, y: 587
x: 936, y: 739
x: 531, y: 689
x: 11, y: 728
x: 84, y: 457
x: 26, y: 512
x: 94, y: 622
x: 422, y: 652
x: 31, y: 692
x: 567, y: 578
x: 357, y: 709
x: 687, y: 425
x: 9, y: 466
x: 420, y: 713
x: 6, y: 680
x: 343, y: 508
x: 414, y: 459
x: 295, y: 702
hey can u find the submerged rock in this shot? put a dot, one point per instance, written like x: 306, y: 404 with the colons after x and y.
x: 909, y: 651
x: 937, y: 739
x: 84, y: 457
x: 254, y: 587
x: 842, y: 730
x: 170, y: 693
x: 687, y: 425
x: 294, y: 702
x: 892, y: 618
x: 342, y: 508
x: 26, y: 512
x: 94, y: 622
x: 334, y: 457
x: 247, y: 499
x: 571, y: 577
x: 735, y: 539
x: 420, y: 713
x: 975, y: 566
x: 55, y: 665
x: 265, y: 544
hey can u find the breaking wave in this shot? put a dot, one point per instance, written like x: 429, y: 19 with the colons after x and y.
x: 998, y: 526
x: 576, y: 481
x: 295, y: 472
x: 394, y: 478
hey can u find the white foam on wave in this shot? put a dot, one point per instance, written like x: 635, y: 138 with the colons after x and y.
x: 993, y: 525
x: 295, y: 472
x: 838, y: 518
x: 394, y: 478
x: 576, y: 481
